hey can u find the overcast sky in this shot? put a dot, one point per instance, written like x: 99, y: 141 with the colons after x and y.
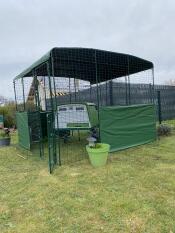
x: 28, y: 29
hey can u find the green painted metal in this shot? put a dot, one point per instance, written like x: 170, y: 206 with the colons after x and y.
x: 93, y: 65
x: 128, y: 126
x: 97, y: 81
x: 37, y: 101
x: 51, y: 142
x: 51, y: 128
x: 43, y: 116
x: 57, y: 145
x: 159, y: 107
x: 23, y: 130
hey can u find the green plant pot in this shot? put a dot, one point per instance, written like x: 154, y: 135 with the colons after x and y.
x: 98, y: 156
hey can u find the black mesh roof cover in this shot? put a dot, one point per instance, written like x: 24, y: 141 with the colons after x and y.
x: 87, y: 64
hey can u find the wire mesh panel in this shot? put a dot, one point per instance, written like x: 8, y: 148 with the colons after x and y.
x: 19, y: 95
x: 71, y: 118
x: 73, y: 83
x: 51, y: 142
x: 29, y: 94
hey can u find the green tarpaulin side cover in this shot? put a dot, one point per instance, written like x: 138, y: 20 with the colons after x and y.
x: 128, y: 126
x: 23, y: 129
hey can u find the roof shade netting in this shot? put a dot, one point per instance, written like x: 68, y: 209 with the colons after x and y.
x: 87, y: 64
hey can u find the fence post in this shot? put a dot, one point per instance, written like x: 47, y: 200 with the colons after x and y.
x: 150, y: 93
x: 111, y: 93
x: 106, y: 90
x: 126, y: 91
x: 159, y: 107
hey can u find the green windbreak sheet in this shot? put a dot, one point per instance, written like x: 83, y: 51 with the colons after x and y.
x: 23, y: 129
x: 128, y: 126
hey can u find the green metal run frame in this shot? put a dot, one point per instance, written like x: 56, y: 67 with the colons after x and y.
x: 36, y: 88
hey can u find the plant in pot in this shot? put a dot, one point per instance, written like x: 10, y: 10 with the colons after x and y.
x: 98, y: 152
x: 4, y: 137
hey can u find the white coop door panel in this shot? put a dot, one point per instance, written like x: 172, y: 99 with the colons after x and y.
x: 69, y: 116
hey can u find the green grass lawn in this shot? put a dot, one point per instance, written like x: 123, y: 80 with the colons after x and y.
x: 135, y: 192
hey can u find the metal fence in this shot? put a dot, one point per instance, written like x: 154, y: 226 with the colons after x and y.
x: 120, y: 93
